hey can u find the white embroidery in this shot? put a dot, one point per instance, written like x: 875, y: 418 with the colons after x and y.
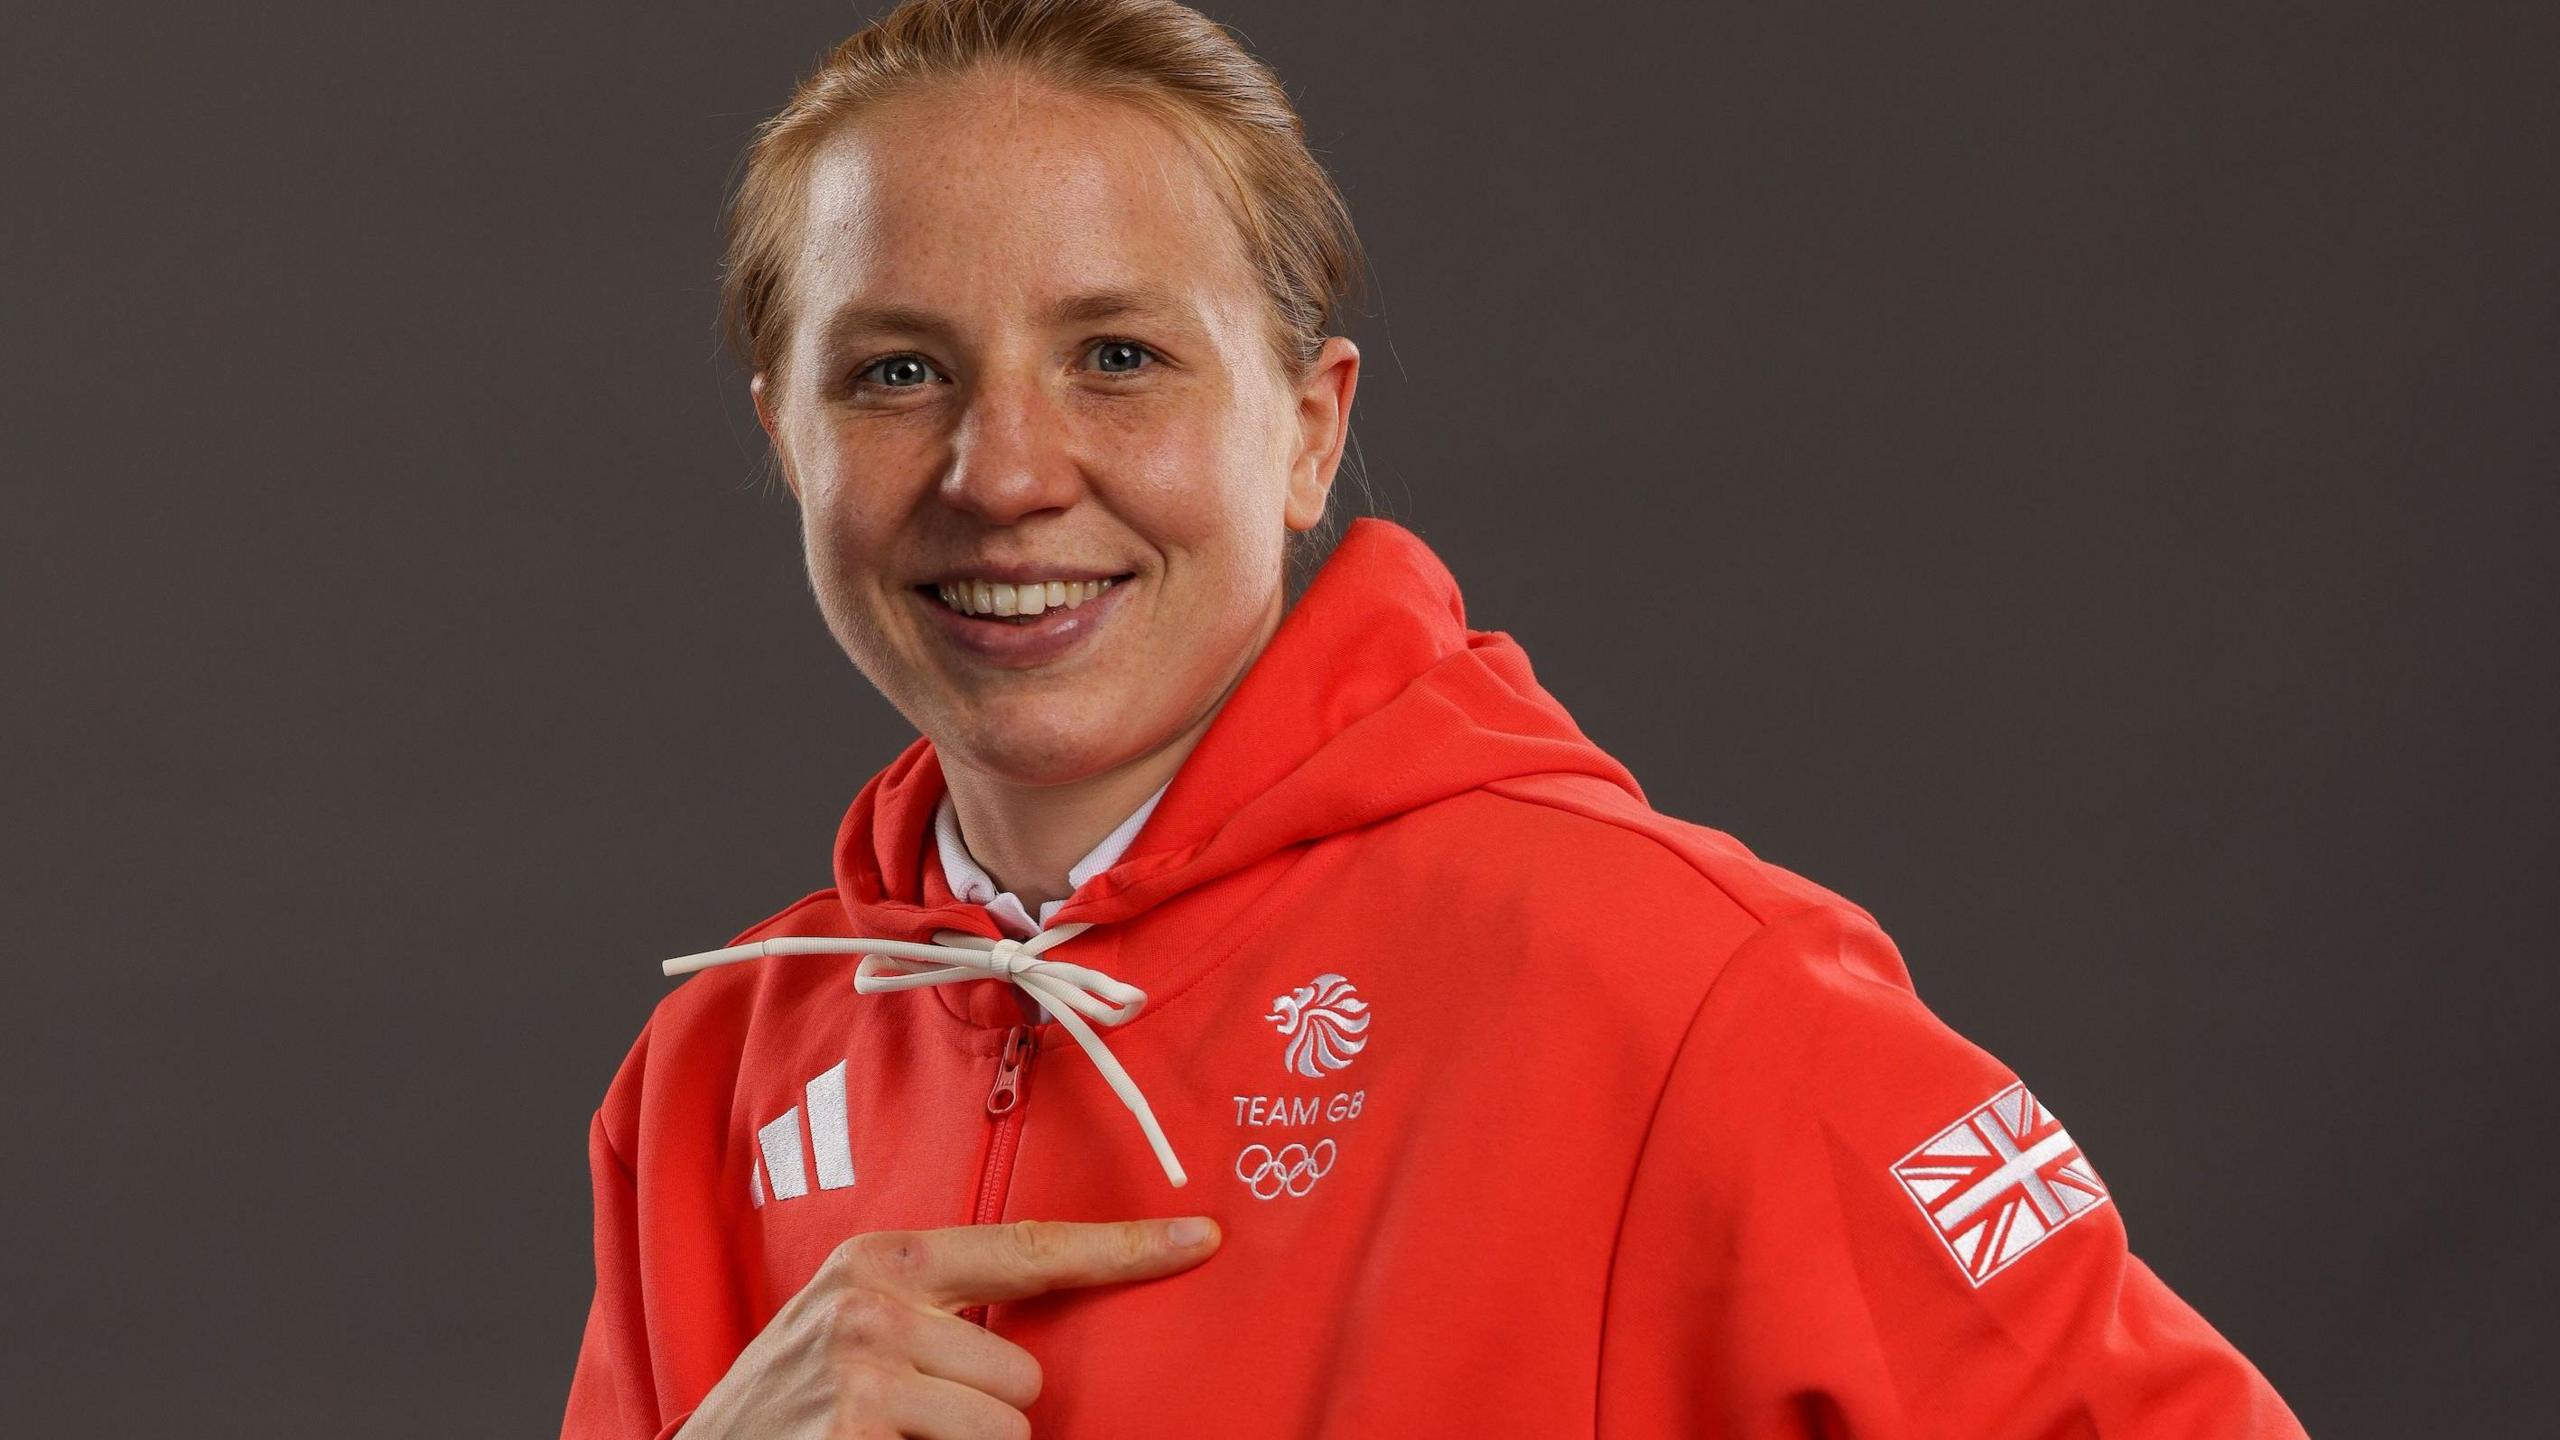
x: 827, y: 1130
x: 1293, y: 1110
x: 1999, y: 1181
x: 781, y: 1144
x: 1324, y: 1022
x: 783, y: 1162
x: 1292, y: 1170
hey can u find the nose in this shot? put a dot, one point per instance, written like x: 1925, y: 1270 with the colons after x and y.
x: 1010, y: 456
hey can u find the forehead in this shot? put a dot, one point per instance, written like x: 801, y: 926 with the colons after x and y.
x: 992, y: 195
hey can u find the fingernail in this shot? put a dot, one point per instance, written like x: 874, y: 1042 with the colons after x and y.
x: 1188, y: 1232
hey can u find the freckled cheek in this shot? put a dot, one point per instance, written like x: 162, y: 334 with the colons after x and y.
x: 862, y: 487
x: 848, y: 550
x: 842, y: 533
x: 844, y: 442
x: 1188, y: 486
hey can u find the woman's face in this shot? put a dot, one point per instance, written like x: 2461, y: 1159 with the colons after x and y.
x: 1027, y: 344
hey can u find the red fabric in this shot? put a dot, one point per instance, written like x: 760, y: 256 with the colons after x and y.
x: 1616, y: 1157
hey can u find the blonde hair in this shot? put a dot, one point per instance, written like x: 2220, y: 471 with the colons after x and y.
x: 1160, y: 56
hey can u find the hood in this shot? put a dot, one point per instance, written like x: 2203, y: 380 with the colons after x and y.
x: 1372, y: 698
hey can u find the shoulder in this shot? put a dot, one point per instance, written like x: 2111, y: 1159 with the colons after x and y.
x: 707, y: 995
x: 1576, y: 863
x: 1582, y: 834
x: 690, y: 1047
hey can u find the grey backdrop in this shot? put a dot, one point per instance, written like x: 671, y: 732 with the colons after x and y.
x: 2078, y: 481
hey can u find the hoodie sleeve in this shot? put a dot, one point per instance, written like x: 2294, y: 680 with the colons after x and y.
x: 1847, y: 1220
x: 613, y: 1392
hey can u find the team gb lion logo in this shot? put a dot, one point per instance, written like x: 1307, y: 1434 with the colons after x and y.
x: 1323, y: 1021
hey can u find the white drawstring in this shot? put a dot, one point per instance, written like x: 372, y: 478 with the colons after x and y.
x: 1065, y: 991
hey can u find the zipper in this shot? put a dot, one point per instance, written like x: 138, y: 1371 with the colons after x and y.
x: 1004, y: 1112
x: 1006, y: 1093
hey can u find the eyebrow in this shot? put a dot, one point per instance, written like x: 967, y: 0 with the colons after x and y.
x: 857, y: 318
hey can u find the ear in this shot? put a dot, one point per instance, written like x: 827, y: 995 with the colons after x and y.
x: 762, y: 394
x: 1324, y: 425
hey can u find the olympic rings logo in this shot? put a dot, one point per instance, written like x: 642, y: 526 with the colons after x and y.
x: 1293, y: 1171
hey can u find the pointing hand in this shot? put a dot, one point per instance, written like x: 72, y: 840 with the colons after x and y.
x: 874, y: 1346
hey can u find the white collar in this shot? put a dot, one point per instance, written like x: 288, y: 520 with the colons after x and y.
x: 970, y: 882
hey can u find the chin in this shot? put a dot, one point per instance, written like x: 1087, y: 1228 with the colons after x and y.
x: 1039, y: 757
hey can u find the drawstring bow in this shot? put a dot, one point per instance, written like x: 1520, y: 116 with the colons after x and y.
x: 1071, y: 993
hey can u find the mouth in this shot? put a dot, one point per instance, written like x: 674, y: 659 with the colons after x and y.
x: 1022, y: 626
x: 1017, y: 605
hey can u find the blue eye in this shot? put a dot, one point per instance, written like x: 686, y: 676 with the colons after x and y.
x: 899, y: 372
x: 1120, y: 357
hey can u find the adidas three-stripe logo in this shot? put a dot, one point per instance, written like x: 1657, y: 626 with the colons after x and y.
x: 782, y: 1164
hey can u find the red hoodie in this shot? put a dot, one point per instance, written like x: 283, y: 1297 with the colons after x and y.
x: 1526, y: 1110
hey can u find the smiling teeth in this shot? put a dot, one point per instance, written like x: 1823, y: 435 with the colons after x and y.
x: 980, y: 597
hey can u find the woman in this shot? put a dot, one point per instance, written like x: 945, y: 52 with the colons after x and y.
x: 1511, y: 1105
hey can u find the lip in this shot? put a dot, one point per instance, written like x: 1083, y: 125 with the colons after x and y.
x: 1058, y: 632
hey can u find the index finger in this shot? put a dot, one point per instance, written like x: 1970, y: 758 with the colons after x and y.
x: 966, y: 1265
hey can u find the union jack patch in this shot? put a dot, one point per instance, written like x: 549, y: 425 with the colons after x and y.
x: 2000, y: 1180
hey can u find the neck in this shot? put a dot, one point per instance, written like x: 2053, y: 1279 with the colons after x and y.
x: 1026, y: 836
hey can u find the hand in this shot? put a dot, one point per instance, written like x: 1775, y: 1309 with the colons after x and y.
x: 873, y: 1347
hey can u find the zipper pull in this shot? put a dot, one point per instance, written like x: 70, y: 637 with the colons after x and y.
x: 1007, y: 1091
